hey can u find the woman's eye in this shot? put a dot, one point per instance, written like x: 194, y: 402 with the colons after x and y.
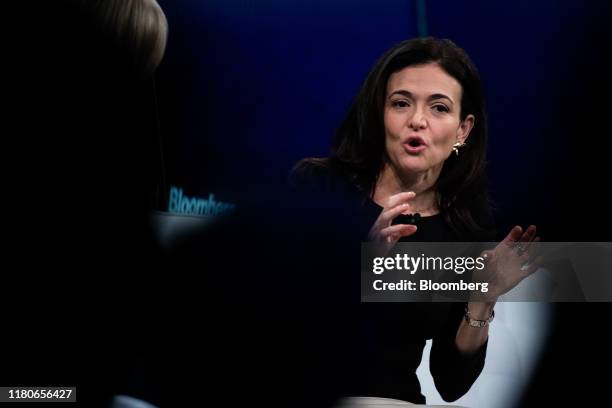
x: 399, y: 104
x: 440, y: 108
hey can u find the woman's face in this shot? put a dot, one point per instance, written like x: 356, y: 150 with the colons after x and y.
x: 422, y: 107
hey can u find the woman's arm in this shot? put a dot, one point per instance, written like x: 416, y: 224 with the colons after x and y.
x: 457, y: 358
x: 454, y: 370
x: 469, y: 339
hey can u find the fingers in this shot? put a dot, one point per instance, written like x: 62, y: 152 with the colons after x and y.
x: 527, y: 237
x: 487, y: 255
x: 529, y: 234
x: 395, y: 232
x: 396, y: 205
x: 400, y: 198
x: 520, y: 241
x: 533, y: 249
x: 512, y: 237
x: 524, y: 243
x: 388, y: 215
x: 530, y: 267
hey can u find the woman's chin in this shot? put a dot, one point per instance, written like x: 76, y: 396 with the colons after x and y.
x: 413, y: 166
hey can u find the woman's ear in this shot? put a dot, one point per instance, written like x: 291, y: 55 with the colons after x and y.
x: 465, y: 128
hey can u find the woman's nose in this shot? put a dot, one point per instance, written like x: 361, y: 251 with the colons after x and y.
x: 417, y: 121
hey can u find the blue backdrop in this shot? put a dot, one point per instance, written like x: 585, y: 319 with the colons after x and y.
x: 247, y: 88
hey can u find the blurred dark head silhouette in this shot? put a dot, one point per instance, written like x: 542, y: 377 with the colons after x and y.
x: 81, y: 168
x: 85, y: 151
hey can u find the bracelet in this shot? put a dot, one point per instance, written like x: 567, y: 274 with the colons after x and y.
x: 475, y: 322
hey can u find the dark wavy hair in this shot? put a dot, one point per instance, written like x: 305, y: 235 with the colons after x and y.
x: 359, y: 146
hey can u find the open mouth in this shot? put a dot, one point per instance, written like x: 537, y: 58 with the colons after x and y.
x: 414, y: 143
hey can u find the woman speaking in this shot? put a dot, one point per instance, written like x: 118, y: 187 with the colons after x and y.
x: 410, y: 156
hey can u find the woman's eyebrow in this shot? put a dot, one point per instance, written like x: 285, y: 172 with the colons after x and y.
x: 401, y: 92
x: 441, y: 96
x: 408, y: 94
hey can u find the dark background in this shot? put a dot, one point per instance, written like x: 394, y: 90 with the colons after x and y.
x: 248, y: 88
x: 244, y: 91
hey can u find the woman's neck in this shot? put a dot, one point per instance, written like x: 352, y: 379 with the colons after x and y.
x: 390, y: 183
